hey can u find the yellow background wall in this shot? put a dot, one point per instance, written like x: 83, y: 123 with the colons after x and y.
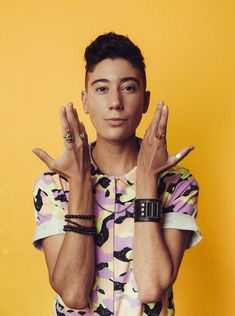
x: 188, y: 50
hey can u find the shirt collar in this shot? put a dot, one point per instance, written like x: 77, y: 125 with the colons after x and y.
x: 96, y: 174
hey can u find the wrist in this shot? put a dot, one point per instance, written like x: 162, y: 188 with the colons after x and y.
x: 146, y: 186
x: 86, y: 179
x: 80, y: 197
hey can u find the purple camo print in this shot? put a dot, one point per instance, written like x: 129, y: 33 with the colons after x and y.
x: 180, y: 189
x: 187, y: 208
x: 43, y: 218
x: 46, y: 180
x: 102, y: 256
x: 122, y: 242
x: 108, y: 303
x: 105, y: 273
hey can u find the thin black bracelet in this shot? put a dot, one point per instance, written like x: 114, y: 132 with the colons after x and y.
x: 80, y: 216
x: 79, y: 225
x: 74, y: 223
x: 77, y: 229
x: 85, y: 228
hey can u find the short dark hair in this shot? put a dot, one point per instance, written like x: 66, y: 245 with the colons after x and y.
x: 112, y: 45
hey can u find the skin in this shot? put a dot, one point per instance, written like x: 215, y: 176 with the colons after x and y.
x: 114, y: 89
x: 110, y: 94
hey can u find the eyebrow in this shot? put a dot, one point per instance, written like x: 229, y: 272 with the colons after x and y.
x: 122, y: 80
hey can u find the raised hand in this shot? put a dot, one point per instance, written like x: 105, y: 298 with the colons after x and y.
x: 74, y: 161
x: 153, y: 156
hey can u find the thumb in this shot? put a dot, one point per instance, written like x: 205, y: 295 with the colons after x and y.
x: 181, y: 154
x: 44, y: 157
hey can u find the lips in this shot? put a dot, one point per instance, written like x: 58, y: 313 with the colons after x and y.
x: 116, y: 121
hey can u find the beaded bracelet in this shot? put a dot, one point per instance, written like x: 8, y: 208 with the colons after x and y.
x: 77, y: 229
x: 85, y: 228
x: 80, y: 216
x: 79, y: 225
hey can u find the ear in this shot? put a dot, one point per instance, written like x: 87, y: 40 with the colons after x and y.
x: 84, y: 101
x: 146, y: 101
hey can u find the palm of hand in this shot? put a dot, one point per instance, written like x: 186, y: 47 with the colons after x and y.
x: 153, y: 156
x: 74, y: 161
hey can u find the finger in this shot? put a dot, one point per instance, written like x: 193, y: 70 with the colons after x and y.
x: 77, y: 120
x: 83, y: 131
x: 73, y: 123
x: 156, y: 119
x: 64, y: 121
x: 181, y: 154
x: 76, y: 115
x: 65, y: 127
x: 44, y: 157
x: 162, y: 126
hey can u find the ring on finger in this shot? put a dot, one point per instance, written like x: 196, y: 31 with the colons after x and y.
x: 178, y: 156
x: 159, y: 136
x: 69, y: 137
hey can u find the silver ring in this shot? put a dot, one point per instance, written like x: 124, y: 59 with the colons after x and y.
x: 178, y: 156
x: 69, y: 137
x: 83, y: 136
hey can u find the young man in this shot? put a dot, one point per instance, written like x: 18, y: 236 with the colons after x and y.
x: 115, y: 216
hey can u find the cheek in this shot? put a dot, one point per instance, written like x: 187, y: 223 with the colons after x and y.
x: 137, y: 119
x: 96, y: 116
x: 95, y: 107
x: 136, y: 112
x: 135, y: 108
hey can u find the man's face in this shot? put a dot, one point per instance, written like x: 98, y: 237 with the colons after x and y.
x: 115, y: 99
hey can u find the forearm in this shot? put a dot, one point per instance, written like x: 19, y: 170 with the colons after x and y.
x: 152, y: 264
x: 73, y: 274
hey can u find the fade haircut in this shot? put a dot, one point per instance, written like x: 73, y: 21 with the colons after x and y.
x: 113, y: 46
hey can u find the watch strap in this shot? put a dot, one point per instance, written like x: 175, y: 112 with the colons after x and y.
x: 148, y: 210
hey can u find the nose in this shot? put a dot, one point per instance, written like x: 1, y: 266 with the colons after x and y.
x: 115, y: 101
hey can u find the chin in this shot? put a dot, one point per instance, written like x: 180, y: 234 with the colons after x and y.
x: 115, y: 136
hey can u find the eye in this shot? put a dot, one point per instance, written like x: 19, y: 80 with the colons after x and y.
x: 101, y: 89
x: 130, y: 88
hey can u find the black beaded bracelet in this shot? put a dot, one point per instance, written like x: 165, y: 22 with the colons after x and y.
x: 80, y: 216
x: 77, y: 229
x: 79, y: 225
x: 85, y: 228
x: 75, y: 223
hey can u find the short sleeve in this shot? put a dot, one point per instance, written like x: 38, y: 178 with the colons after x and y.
x: 50, y: 197
x: 179, y: 191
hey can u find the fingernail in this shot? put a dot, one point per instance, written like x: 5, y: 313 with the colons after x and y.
x: 70, y: 104
x: 164, y: 107
x: 160, y: 102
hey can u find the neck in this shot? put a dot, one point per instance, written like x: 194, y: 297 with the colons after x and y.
x: 115, y: 158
